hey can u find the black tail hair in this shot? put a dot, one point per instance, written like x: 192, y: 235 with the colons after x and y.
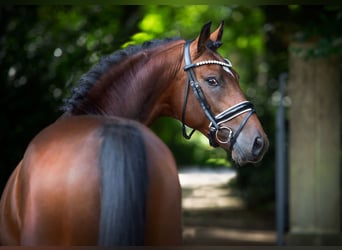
x: 124, y: 186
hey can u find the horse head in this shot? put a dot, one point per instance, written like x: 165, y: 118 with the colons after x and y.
x: 214, y: 103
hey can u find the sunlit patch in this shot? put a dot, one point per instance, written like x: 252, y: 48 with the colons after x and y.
x: 205, y: 188
x: 219, y: 235
x: 58, y: 52
x: 152, y: 23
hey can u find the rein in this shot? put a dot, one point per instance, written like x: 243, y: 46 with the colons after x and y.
x: 215, y: 127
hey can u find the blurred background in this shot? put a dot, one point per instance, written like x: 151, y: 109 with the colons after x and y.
x: 45, y: 49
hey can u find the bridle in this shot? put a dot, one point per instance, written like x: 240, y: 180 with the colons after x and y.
x: 215, y: 121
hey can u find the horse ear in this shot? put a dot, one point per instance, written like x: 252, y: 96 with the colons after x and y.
x: 203, y: 37
x: 216, y: 37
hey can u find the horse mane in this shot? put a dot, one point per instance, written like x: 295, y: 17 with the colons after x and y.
x: 88, y: 80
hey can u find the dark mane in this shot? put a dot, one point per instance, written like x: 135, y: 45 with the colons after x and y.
x: 88, y: 80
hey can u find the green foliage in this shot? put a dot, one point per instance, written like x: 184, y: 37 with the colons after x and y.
x: 325, y: 34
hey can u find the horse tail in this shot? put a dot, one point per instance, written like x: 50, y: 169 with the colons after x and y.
x: 123, y: 187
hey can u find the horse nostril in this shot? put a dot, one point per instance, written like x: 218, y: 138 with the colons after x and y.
x: 258, y: 146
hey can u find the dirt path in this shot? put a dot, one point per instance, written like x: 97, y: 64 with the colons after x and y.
x: 213, y: 215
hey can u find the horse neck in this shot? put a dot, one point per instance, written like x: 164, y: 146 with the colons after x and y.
x: 138, y: 87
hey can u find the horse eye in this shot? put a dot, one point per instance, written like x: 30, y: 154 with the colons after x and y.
x: 212, y: 81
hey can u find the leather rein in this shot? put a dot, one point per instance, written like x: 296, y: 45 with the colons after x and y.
x: 215, y: 121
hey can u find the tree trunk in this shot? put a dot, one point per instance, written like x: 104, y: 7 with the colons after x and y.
x: 315, y: 133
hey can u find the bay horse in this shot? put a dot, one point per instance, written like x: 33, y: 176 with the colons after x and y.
x: 99, y: 176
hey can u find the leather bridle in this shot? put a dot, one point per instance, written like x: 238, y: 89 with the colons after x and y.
x: 215, y: 121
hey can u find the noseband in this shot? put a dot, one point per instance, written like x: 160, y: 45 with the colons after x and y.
x: 215, y: 128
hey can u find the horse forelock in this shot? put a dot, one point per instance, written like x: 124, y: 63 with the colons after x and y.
x: 105, y: 66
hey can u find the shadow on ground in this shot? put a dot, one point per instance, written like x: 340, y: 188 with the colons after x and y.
x: 214, y: 215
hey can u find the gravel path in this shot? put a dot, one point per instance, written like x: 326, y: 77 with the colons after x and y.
x: 214, y: 215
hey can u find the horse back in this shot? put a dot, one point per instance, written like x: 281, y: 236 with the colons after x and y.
x: 54, y: 195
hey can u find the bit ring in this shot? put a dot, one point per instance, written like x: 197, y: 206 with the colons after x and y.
x: 229, y: 137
